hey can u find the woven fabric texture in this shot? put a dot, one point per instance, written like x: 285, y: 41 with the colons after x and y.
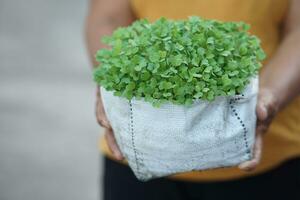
x: 170, y: 139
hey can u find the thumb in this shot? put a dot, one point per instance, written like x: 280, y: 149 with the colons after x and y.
x: 261, y: 110
x: 106, y: 124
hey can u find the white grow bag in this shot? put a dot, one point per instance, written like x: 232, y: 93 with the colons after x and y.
x: 162, y: 141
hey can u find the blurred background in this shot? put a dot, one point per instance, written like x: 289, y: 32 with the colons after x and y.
x: 48, y: 133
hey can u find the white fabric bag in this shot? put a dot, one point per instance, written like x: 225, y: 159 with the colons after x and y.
x: 162, y: 141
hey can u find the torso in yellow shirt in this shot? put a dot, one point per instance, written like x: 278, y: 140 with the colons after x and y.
x: 282, y: 141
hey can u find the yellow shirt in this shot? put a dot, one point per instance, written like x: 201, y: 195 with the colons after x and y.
x: 282, y: 141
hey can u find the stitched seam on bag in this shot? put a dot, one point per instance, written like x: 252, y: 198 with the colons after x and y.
x: 133, y: 139
x: 245, y: 131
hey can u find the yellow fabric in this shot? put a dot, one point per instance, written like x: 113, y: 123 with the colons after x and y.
x: 282, y: 141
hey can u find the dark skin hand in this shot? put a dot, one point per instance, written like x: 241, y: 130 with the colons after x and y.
x: 279, y: 79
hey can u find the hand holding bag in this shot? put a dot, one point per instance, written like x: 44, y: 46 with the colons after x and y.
x: 173, y: 138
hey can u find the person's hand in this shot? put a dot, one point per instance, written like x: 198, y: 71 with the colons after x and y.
x: 108, y: 131
x: 266, y: 109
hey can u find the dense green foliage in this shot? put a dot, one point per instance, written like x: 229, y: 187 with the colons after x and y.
x: 178, y: 61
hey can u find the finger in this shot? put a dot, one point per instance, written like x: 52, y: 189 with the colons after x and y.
x: 267, y: 105
x: 262, y: 127
x: 261, y: 111
x: 263, y: 122
x: 257, y: 151
x: 101, y: 117
x: 112, y: 144
x: 103, y: 122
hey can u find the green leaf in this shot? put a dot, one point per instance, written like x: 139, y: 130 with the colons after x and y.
x: 130, y: 86
x: 179, y: 47
x: 178, y: 60
x: 210, y: 96
x: 208, y: 69
x: 226, y: 80
x: 210, y: 40
x: 167, y: 94
x: 198, y: 95
x: 261, y: 55
x: 195, y: 61
x: 138, y: 68
x: 154, y: 57
x: 225, y: 53
x: 205, y: 89
x: 145, y: 76
x: 165, y: 85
